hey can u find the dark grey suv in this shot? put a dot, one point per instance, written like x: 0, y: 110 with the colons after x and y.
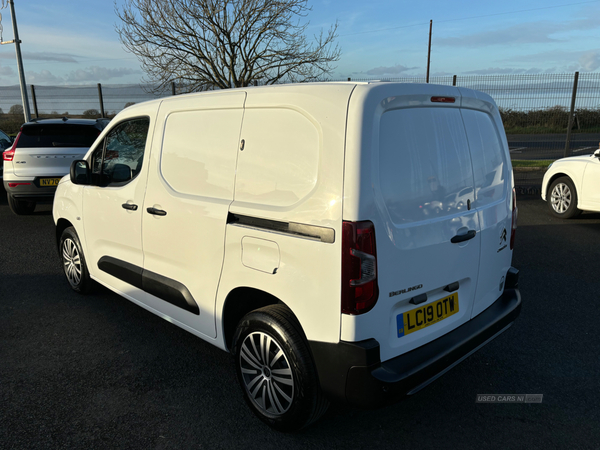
x: 41, y: 155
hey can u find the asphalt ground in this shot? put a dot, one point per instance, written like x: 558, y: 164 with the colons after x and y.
x: 98, y: 372
x: 551, y: 146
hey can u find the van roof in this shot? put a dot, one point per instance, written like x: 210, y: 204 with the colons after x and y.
x: 405, y: 89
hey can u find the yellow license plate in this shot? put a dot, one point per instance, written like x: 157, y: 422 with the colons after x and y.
x: 49, y: 181
x: 426, y: 315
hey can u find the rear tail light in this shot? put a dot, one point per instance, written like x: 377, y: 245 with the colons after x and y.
x: 359, y: 268
x: 515, y: 213
x: 9, y: 154
x: 13, y: 185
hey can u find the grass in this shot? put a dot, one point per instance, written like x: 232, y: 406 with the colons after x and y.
x: 548, y: 130
x: 532, y: 162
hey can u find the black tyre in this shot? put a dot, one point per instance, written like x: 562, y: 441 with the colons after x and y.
x: 562, y: 198
x: 20, y: 207
x: 276, y: 371
x: 73, y: 261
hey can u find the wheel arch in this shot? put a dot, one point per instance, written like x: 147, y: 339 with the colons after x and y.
x: 555, y: 177
x: 61, y: 225
x: 239, y: 302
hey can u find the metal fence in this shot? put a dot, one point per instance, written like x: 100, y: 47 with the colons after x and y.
x: 60, y: 101
x: 545, y: 116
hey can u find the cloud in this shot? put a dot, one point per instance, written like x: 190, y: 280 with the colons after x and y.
x: 96, y: 74
x: 590, y: 61
x: 518, y: 34
x: 46, y: 56
x: 45, y: 76
x: 563, y: 61
x: 541, y: 32
x: 503, y: 71
x: 555, y: 56
x: 42, y: 56
x: 6, y: 71
x: 394, y: 70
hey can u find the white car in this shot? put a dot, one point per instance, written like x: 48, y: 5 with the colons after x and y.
x: 344, y: 241
x: 572, y: 185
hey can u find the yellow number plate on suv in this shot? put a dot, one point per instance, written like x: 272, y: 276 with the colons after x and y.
x: 49, y: 182
x: 426, y: 315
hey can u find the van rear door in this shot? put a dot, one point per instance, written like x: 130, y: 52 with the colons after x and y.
x: 493, y: 194
x: 428, y: 236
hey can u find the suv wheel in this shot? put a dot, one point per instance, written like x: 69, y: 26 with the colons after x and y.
x: 275, y: 369
x: 20, y: 207
x: 562, y: 198
x: 73, y: 261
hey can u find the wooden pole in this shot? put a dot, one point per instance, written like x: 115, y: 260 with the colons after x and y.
x: 429, y: 50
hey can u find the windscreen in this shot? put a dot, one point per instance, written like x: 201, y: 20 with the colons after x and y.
x: 57, y: 135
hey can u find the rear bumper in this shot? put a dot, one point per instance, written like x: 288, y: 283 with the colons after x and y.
x: 352, y: 371
x: 30, y: 191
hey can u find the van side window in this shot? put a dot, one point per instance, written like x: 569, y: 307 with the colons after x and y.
x: 97, y: 159
x: 119, y: 159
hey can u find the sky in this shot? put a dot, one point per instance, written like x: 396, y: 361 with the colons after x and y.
x: 74, y: 42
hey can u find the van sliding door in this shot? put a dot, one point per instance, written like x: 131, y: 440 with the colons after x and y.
x: 190, y: 189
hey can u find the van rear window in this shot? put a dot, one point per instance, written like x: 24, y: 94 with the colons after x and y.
x: 424, y: 164
x: 488, y: 157
x: 57, y: 135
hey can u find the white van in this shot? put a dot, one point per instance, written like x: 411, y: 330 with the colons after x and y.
x: 345, y: 241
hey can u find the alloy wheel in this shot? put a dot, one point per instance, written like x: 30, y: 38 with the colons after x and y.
x: 561, y: 198
x: 71, y: 262
x: 267, y: 375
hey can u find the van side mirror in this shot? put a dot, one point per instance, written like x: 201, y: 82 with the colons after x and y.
x: 80, y: 172
x: 597, y: 153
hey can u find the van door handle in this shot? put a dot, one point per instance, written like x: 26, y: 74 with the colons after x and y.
x: 129, y: 206
x: 156, y: 212
x: 463, y: 237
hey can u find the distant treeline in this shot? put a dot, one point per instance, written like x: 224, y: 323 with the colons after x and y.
x: 538, y: 121
x: 550, y: 120
x: 11, y: 123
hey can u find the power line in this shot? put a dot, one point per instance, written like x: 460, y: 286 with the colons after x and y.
x: 469, y: 18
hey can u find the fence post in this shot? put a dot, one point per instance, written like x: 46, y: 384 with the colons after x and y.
x: 101, y: 101
x: 34, y: 100
x: 454, y: 80
x: 570, y: 125
x: 429, y: 51
x: 173, y: 91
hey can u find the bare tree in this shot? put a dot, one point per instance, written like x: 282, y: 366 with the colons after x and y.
x: 16, y: 110
x: 206, y: 44
x: 91, y: 113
